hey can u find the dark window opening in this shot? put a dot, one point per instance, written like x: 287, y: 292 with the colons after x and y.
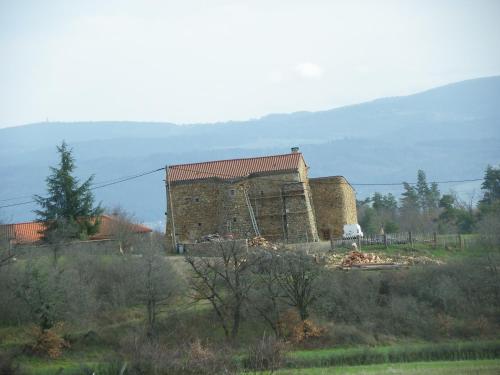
x: 325, y: 234
x: 234, y: 220
x: 199, y: 224
x: 232, y: 192
x: 196, y: 199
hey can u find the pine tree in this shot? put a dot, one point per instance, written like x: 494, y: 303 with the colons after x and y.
x: 491, y: 188
x: 422, y: 190
x: 410, y: 198
x: 433, y: 197
x: 410, y: 217
x: 68, y: 210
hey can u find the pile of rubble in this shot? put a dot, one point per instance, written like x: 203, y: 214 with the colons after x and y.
x: 261, y: 242
x: 357, y: 257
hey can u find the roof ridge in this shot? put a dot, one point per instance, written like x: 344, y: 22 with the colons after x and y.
x: 23, y: 222
x: 235, y: 159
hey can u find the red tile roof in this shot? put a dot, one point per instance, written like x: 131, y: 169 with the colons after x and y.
x: 23, y: 232
x: 109, y: 225
x: 30, y: 232
x: 234, y: 168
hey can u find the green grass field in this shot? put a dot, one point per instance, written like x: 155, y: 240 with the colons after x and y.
x: 418, y: 358
x: 483, y: 367
x: 472, y: 367
x: 454, y: 351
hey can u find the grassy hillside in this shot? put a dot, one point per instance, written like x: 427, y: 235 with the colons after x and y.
x: 445, y: 310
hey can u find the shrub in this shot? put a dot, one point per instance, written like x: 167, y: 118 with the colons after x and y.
x: 344, y: 334
x: 266, y: 355
x: 306, y: 330
x: 48, y: 342
x: 297, y: 330
x: 8, y: 365
x: 200, y: 359
x: 151, y: 357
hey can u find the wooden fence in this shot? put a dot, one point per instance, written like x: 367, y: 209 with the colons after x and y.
x: 410, y: 239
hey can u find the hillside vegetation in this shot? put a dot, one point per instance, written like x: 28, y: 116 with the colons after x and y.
x: 241, y: 310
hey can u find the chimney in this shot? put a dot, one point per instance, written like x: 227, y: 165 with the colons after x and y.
x: 295, y: 149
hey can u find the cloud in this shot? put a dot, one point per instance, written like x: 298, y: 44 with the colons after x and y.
x: 276, y: 76
x: 309, y: 70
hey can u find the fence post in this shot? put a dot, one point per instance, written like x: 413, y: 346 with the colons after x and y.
x: 332, y: 244
x: 410, y: 239
x: 385, y: 240
x: 358, y: 240
x: 460, y: 241
x: 435, y: 239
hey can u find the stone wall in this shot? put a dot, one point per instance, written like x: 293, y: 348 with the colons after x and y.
x: 214, y: 248
x: 195, y: 207
x: 234, y: 215
x: 334, y: 202
x: 300, y: 220
x: 268, y: 201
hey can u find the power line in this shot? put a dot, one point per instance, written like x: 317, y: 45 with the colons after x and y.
x: 414, y: 183
x: 97, y: 187
x: 128, y: 178
x: 93, y: 184
x: 17, y: 204
x: 15, y: 198
x: 132, y: 177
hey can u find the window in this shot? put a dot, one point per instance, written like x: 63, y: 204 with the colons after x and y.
x: 196, y: 199
x: 234, y: 220
x: 232, y: 192
x: 325, y: 234
x: 199, y: 224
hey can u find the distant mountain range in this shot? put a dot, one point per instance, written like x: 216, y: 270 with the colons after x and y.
x: 452, y: 132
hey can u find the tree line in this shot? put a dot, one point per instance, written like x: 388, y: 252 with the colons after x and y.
x: 423, y: 208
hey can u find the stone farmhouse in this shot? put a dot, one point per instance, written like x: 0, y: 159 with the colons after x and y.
x: 271, y: 196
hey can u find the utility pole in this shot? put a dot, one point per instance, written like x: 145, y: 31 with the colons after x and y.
x: 169, y: 208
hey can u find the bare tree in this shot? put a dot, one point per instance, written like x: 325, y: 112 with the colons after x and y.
x: 157, y: 281
x: 224, y: 280
x: 122, y: 228
x: 267, y: 296
x: 298, y: 276
x: 6, y: 255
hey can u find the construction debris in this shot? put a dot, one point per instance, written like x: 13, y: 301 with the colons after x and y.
x: 357, y: 257
x: 214, y: 237
x: 261, y: 242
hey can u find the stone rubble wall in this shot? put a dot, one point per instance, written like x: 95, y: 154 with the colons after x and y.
x: 334, y: 202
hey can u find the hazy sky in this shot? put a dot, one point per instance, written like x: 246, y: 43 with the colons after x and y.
x: 202, y: 61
